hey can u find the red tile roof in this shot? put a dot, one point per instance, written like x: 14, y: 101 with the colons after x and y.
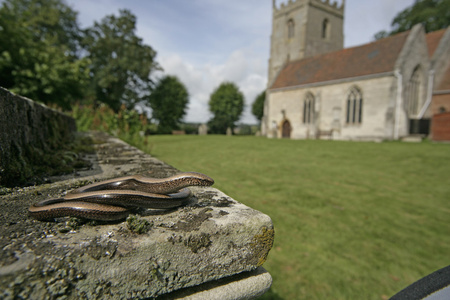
x: 376, y: 57
x: 433, y: 39
x: 444, y: 85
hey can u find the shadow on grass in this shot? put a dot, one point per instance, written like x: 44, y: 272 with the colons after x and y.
x: 270, y: 295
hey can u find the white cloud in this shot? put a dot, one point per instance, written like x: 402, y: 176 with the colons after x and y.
x: 206, y: 42
x: 240, y: 68
x: 205, y: 47
x: 196, y: 83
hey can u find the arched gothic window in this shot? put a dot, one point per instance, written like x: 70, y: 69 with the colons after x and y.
x: 291, y: 30
x: 413, y: 93
x: 308, y: 109
x: 325, y: 29
x: 354, y: 106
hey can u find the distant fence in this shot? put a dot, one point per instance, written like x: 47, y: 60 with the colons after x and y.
x: 178, y: 132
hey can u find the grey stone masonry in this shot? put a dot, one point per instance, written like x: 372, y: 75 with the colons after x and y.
x: 28, y: 131
x: 212, y: 248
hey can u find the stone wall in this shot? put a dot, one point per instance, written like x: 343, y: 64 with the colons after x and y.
x: 307, y: 40
x: 379, y: 92
x: 414, y: 57
x: 210, y: 248
x: 29, y: 132
x: 379, y: 95
x: 315, y: 43
x: 441, y: 60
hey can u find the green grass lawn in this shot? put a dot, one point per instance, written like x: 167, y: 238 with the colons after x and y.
x: 352, y: 220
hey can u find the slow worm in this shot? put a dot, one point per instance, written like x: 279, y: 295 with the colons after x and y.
x: 112, y: 199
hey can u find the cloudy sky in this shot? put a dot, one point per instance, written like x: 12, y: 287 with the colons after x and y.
x: 207, y: 42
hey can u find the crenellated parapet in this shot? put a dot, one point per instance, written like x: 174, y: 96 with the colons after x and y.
x: 283, y: 7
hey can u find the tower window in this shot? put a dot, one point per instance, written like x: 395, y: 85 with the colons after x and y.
x: 354, y: 106
x: 290, y: 29
x: 308, y: 109
x: 325, y: 29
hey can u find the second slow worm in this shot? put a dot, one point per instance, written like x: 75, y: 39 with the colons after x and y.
x: 111, y: 199
x: 150, y: 185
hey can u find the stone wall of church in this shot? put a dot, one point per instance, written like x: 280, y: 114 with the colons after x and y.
x: 334, y: 40
x: 379, y: 98
x: 307, y: 17
x: 414, y: 56
x: 282, y: 47
x: 441, y: 60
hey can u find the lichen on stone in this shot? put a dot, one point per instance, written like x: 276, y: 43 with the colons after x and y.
x: 261, y: 245
x: 71, y: 224
x: 138, y: 224
x: 101, y: 247
x: 193, y: 222
x: 197, y: 242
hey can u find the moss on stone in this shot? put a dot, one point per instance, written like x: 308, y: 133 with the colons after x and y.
x: 70, y: 225
x: 138, y: 225
x: 31, y: 165
x: 261, y: 245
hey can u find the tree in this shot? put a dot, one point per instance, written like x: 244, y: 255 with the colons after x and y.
x: 381, y: 35
x: 433, y: 14
x: 39, y: 43
x: 227, y: 104
x: 121, y: 63
x: 258, y: 106
x: 169, y: 101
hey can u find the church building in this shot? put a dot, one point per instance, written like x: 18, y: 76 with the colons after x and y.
x: 385, y: 90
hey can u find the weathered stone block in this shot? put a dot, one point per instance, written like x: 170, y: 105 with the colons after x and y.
x: 28, y: 131
x: 212, y: 237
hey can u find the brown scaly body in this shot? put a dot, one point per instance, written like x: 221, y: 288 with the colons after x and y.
x: 111, y: 199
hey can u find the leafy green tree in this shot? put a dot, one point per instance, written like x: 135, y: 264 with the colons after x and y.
x: 169, y: 101
x: 39, y: 42
x: 258, y: 106
x: 121, y: 63
x: 227, y: 104
x: 433, y: 14
x: 381, y: 35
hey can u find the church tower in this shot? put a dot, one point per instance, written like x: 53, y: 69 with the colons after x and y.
x: 304, y: 28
